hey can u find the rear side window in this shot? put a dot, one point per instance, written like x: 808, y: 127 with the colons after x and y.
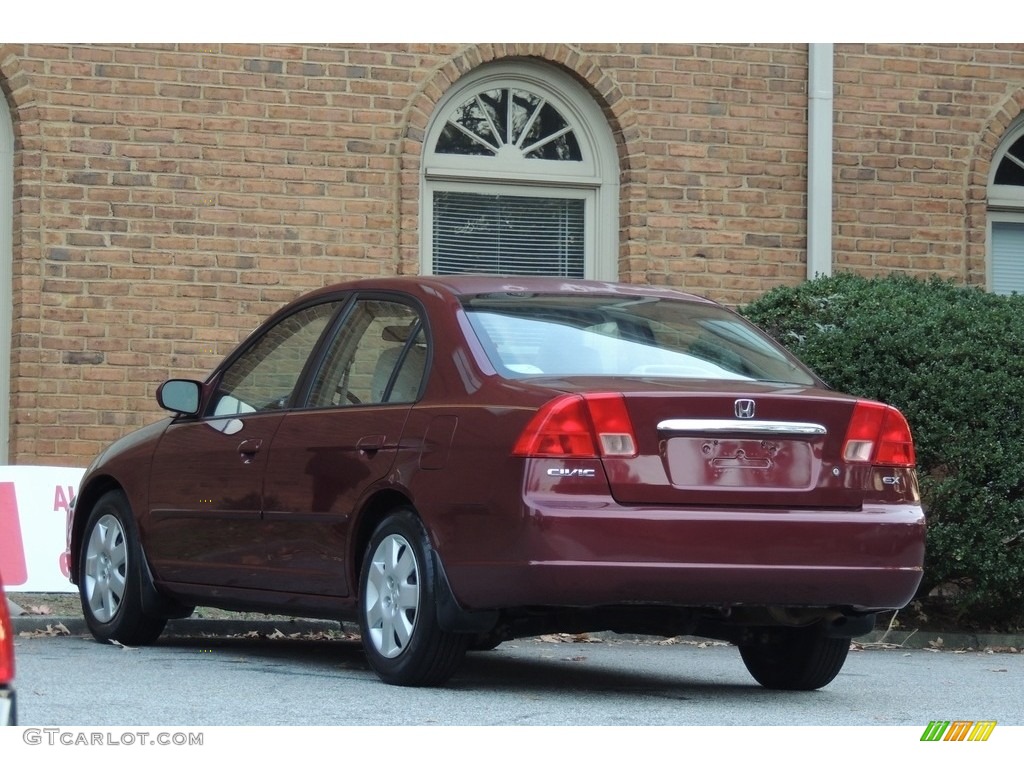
x: 533, y: 335
x: 378, y: 356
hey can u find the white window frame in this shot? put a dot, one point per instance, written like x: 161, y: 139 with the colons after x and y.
x: 595, y: 178
x: 6, y: 271
x: 1005, y: 202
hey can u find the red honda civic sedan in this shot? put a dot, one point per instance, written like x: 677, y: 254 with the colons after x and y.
x: 457, y: 461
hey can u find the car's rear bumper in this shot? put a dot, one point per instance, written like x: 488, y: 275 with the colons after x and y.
x: 592, y: 553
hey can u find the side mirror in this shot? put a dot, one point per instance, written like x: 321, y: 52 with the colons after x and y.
x: 180, y: 396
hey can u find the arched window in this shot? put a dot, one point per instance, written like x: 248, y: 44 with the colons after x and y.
x: 6, y: 267
x: 520, y: 177
x: 1006, y: 214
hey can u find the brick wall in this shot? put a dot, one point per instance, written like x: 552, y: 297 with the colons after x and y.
x: 169, y: 197
x: 915, y: 130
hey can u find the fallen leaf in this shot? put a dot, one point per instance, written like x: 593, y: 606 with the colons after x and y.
x: 559, y: 637
x: 583, y: 637
x: 52, y: 630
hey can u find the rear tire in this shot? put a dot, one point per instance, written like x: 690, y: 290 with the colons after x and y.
x: 110, y: 576
x: 398, y: 609
x: 796, y: 659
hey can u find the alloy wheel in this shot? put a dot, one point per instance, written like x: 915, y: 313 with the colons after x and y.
x: 392, y: 595
x: 106, y: 568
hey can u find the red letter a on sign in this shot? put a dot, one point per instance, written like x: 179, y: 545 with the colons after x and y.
x: 12, y: 550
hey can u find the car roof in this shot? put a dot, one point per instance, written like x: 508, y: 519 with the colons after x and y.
x: 474, y: 285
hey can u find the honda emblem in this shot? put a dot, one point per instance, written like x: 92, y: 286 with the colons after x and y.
x: 744, y: 409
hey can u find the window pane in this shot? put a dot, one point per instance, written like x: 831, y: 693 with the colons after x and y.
x: 264, y: 377
x: 456, y: 142
x: 612, y: 336
x: 508, y: 235
x: 550, y: 139
x: 1010, y: 172
x: 378, y: 339
x: 1007, y: 257
x: 518, y: 120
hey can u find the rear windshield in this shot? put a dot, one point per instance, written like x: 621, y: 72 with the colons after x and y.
x: 557, y: 335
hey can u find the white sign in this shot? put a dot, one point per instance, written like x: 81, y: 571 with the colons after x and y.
x: 34, y: 503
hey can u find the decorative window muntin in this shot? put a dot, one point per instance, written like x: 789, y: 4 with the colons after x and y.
x: 509, y: 120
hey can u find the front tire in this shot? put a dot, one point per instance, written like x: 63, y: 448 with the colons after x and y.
x: 110, y: 576
x: 796, y: 659
x: 398, y: 610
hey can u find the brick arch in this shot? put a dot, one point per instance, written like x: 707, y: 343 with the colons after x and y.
x: 26, y: 252
x: 17, y: 89
x: 976, y: 218
x: 602, y: 87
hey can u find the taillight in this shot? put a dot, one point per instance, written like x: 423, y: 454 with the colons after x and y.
x: 6, y: 643
x: 579, y: 426
x: 878, y: 434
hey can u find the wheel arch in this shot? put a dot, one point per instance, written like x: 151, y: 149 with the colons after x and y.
x: 87, y: 496
x: 375, y: 509
x: 154, y: 602
x: 451, y: 615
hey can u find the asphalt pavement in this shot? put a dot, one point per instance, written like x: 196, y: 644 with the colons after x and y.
x: 226, y: 627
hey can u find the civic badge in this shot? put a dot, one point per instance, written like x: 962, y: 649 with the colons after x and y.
x: 744, y: 409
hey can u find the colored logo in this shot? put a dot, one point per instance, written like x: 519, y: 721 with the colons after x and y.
x: 958, y: 730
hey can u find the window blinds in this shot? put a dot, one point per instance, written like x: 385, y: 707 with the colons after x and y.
x: 507, y: 235
x: 1007, y: 257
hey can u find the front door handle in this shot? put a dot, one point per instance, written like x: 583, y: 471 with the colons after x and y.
x: 248, y: 449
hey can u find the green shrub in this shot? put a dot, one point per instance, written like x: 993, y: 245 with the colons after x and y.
x: 952, y: 360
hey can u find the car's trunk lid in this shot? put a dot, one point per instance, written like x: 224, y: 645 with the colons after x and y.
x: 756, y: 447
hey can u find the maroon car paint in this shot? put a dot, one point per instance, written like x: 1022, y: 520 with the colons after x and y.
x: 765, y: 522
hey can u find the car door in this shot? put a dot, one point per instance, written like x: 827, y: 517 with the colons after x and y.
x: 325, y: 456
x: 206, y: 488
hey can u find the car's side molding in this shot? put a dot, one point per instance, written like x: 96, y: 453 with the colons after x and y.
x: 451, y: 616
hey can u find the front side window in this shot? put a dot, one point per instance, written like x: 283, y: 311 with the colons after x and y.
x: 625, y: 336
x: 264, y: 377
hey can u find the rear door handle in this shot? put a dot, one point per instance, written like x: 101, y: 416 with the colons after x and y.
x: 370, y: 444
